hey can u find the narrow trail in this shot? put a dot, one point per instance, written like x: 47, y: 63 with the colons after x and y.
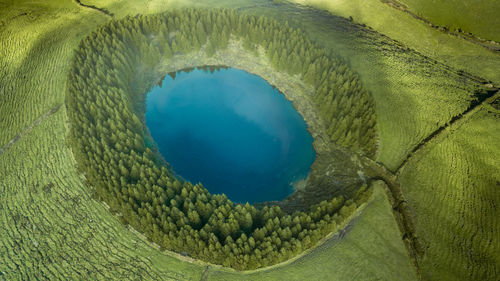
x: 30, y: 128
x: 488, y: 98
x: 204, y: 275
x: 102, y: 10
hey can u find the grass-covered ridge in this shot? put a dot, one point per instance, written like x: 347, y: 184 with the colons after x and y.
x: 417, y: 35
x: 478, y: 17
x: 112, y: 70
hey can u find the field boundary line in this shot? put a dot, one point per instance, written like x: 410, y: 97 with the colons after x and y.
x: 457, y: 120
x: 29, y: 128
x: 101, y: 10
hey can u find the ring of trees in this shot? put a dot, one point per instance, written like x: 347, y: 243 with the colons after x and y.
x: 112, y: 70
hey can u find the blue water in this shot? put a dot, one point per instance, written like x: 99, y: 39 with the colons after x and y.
x: 231, y: 131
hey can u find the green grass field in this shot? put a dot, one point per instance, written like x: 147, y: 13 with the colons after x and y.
x: 478, y: 17
x: 417, y: 35
x: 453, y: 188
x: 36, y: 48
x: 50, y: 227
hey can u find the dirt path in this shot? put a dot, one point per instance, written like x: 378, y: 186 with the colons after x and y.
x: 491, y: 95
x: 102, y: 10
x: 29, y: 128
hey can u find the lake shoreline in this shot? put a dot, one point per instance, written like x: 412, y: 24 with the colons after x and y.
x: 230, y: 130
x: 329, y: 156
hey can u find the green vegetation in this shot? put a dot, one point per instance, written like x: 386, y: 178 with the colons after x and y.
x: 398, y: 25
x: 104, y: 104
x: 414, y: 95
x: 38, y: 214
x: 453, y: 188
x: 356, y: 246
x: 413, y: 100
x: 51, y: 228
x: 29, y: 33
x: 478, y: 17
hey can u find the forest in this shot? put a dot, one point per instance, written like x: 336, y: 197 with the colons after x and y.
x: 113, y: 69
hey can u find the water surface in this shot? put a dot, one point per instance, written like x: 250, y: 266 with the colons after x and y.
x: 231, y: 131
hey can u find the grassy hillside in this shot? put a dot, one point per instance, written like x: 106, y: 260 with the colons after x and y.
x: 415, y: 34
x: 456, y: 178
x: 478, y: 17
x: 50, y: 227
x: 453, y: 188
x: 36, y: 47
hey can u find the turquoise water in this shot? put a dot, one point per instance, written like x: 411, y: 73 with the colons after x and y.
x: 231, y: 131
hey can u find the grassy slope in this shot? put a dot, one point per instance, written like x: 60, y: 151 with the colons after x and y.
x: 359, y: 248
x: 34, y: 44
x: 414, y: 97
x: 129, y: 7
x: 453, y: 188
x: 479, y: 17
x: 402, y: 27
x: 50, y: 228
